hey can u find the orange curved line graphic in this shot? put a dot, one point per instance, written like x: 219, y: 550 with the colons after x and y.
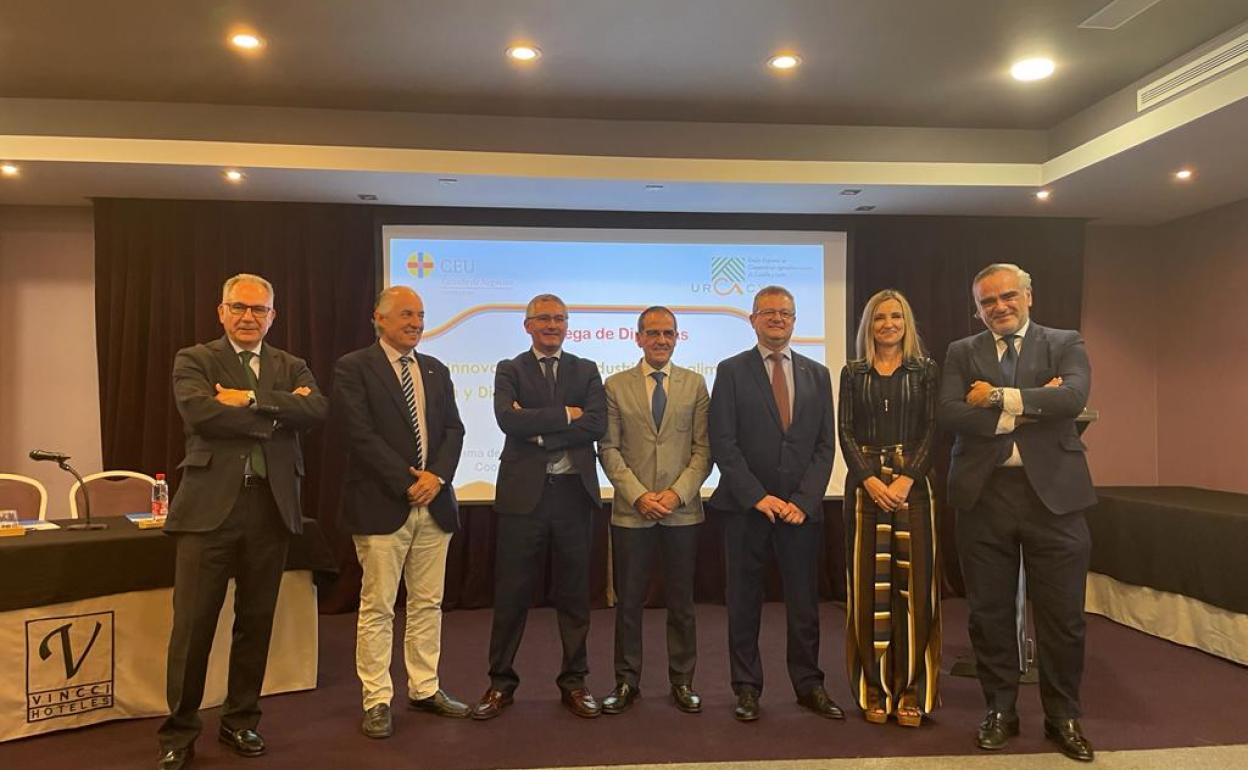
x: 509, y: 307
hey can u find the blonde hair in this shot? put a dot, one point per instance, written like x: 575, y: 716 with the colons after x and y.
x: 911, y: 343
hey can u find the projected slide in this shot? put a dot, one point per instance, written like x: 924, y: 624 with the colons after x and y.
x: 475, y: 290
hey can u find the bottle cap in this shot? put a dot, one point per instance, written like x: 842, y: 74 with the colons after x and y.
x: 160, y: 477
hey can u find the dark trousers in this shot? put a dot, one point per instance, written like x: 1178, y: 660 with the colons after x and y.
x: 562, y: 521
x: 249, y: 546
x: 1055, y: 551
x: 749, y: 539
x: 633, y: 550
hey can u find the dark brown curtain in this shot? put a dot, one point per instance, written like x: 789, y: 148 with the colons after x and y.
x: 160, y: 265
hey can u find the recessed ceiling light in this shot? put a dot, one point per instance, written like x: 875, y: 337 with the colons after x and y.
x: 234, y: 175
x: 1042, y: 195
x: 448, y: 180
x: 865, y: 208
x: 1032, y: 69
x: 246, y: 41
x: 653, y: 187
x: 784, y: 61
x: 524, y: 52
x: 9, y: 169
x: 366, y: 197
x: 851, y: 191
x: 1183, y: 174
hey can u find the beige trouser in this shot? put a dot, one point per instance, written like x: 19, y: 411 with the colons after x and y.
x: 416, y: 552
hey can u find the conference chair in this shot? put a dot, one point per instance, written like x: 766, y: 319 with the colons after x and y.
x: 113, y: 493
x: 23, y: 494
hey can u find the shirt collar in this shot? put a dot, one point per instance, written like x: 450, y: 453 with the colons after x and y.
x: 785, y: 351
x: 1022, y: 332
x: 556, y: 355
x: 393, y: 355
x: 239, y: 349
x: 648, y: 370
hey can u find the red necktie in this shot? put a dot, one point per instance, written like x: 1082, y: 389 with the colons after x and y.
x: 780, y: 390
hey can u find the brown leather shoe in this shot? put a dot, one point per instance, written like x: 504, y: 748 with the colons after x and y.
x: 581, y: 703
x: 377, y: 722
x: 491, y: 704
x: 441, y: 704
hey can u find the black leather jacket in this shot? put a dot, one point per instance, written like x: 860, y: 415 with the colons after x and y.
x: 860, y: 406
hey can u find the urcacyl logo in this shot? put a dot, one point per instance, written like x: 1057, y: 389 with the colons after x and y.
x: 69, y: 665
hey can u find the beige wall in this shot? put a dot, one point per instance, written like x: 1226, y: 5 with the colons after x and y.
x: 1168, y: 335
x: 49, y: 387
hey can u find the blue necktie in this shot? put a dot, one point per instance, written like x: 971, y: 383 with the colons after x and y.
x: 658, y: 401
x: 409, y: 395
x: 1009, y: 361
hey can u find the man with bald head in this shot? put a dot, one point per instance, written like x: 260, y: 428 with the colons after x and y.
x: 404, y: 436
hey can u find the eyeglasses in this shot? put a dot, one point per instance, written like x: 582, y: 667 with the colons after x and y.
x: 772, y: 312
x: 546, y: 318
x: 654, y: 334
x: 259, y: 312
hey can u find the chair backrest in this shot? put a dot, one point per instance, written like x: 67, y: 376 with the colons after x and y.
x: 113, y: 493
x: 23, y: 494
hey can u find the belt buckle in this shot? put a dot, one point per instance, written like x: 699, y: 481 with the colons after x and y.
x: 252, y: 480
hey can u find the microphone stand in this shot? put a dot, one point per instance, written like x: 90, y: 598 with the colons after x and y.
x: 86, y: 500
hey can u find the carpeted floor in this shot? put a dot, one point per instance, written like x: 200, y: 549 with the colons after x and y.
x: 1139, y: 693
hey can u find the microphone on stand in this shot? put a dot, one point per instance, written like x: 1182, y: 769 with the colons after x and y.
x: 62, y: 460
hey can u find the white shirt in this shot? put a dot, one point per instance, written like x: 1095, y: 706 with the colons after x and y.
x: 1011, y: 398
x: 255, y: 360
x: 418, y: 387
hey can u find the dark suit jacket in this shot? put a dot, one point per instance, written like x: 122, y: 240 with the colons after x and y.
x: 381, y: 443
x: 754, y: 456
x: 522, y: 465
x: 1053, y: 455
x: 219, y: 438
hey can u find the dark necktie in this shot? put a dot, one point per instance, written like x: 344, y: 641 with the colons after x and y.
x: 409, y: 395
x: 1009, y: 361
x: 780, y: 390
x: 258, y: 466
x: 548, y: 369
x: 658, y: 401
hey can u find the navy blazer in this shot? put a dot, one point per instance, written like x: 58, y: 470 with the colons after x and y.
x: 219, y: 438
x: 755, y: 457
x: 1053, y: 455
x: 522, y: 464
x: 368, y: 404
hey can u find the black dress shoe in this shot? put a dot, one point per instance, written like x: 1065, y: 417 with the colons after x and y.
x: 491, y: 704
x: 245, y: 742
x: 620, y: 699
x: 377, y: 722
x: 817, y: 700
x: 1068, y: 736
x: 996, y: 730
x: 441, y: 704
x: 581, y: 703
x: 686, y: 699
x: 176, y: 759
x: 747, y: 709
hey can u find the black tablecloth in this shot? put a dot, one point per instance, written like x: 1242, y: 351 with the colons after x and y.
x: 51, y: 566
x: 1183, y: 540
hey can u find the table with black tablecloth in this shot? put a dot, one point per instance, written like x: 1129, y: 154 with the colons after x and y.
x: 1172, y: 561
x: 85, y: 617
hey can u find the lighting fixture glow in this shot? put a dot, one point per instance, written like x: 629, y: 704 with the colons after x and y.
x: 1183, y: 174
x: 246, y: 41
x: 1042, y: 195
x: 9, y: 169
x: 524, y: 52
x: 784, y: 61
x: 653, y: 187
x: 1032, y: 69
x: 234, y: 175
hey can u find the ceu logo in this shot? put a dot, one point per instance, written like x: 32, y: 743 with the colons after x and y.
x: 419, y: 263
x: 69, y: 665
x: 727, y: 275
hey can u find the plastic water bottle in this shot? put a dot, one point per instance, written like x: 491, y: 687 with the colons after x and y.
x: 160, y: 498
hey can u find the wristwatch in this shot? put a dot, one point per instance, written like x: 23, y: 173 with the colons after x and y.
x: 251, y: 397
x: 996, y: 397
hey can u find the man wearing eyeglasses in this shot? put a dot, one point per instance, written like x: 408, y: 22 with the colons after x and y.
x: 243, y: 404
x: 550, y: 405
x: 656, y: 454
x: 773, y: 437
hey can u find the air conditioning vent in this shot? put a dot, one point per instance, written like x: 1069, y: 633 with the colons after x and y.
x: 1193, y: 74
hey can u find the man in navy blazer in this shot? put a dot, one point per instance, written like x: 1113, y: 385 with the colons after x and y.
x: 773, y: 438
x: 1019, y: 477
x: 403, y: 435
x: 551, y: 406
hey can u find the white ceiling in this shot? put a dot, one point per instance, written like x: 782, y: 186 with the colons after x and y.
x: 140, y: 98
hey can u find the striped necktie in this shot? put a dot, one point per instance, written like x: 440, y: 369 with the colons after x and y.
x: 409, y: 395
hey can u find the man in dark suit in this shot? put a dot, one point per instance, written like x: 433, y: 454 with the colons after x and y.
x: 404, y: 436
x: 1019, y: 477
x: 550, y: 405
x: 773, y: 438
x: 243, y: 405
